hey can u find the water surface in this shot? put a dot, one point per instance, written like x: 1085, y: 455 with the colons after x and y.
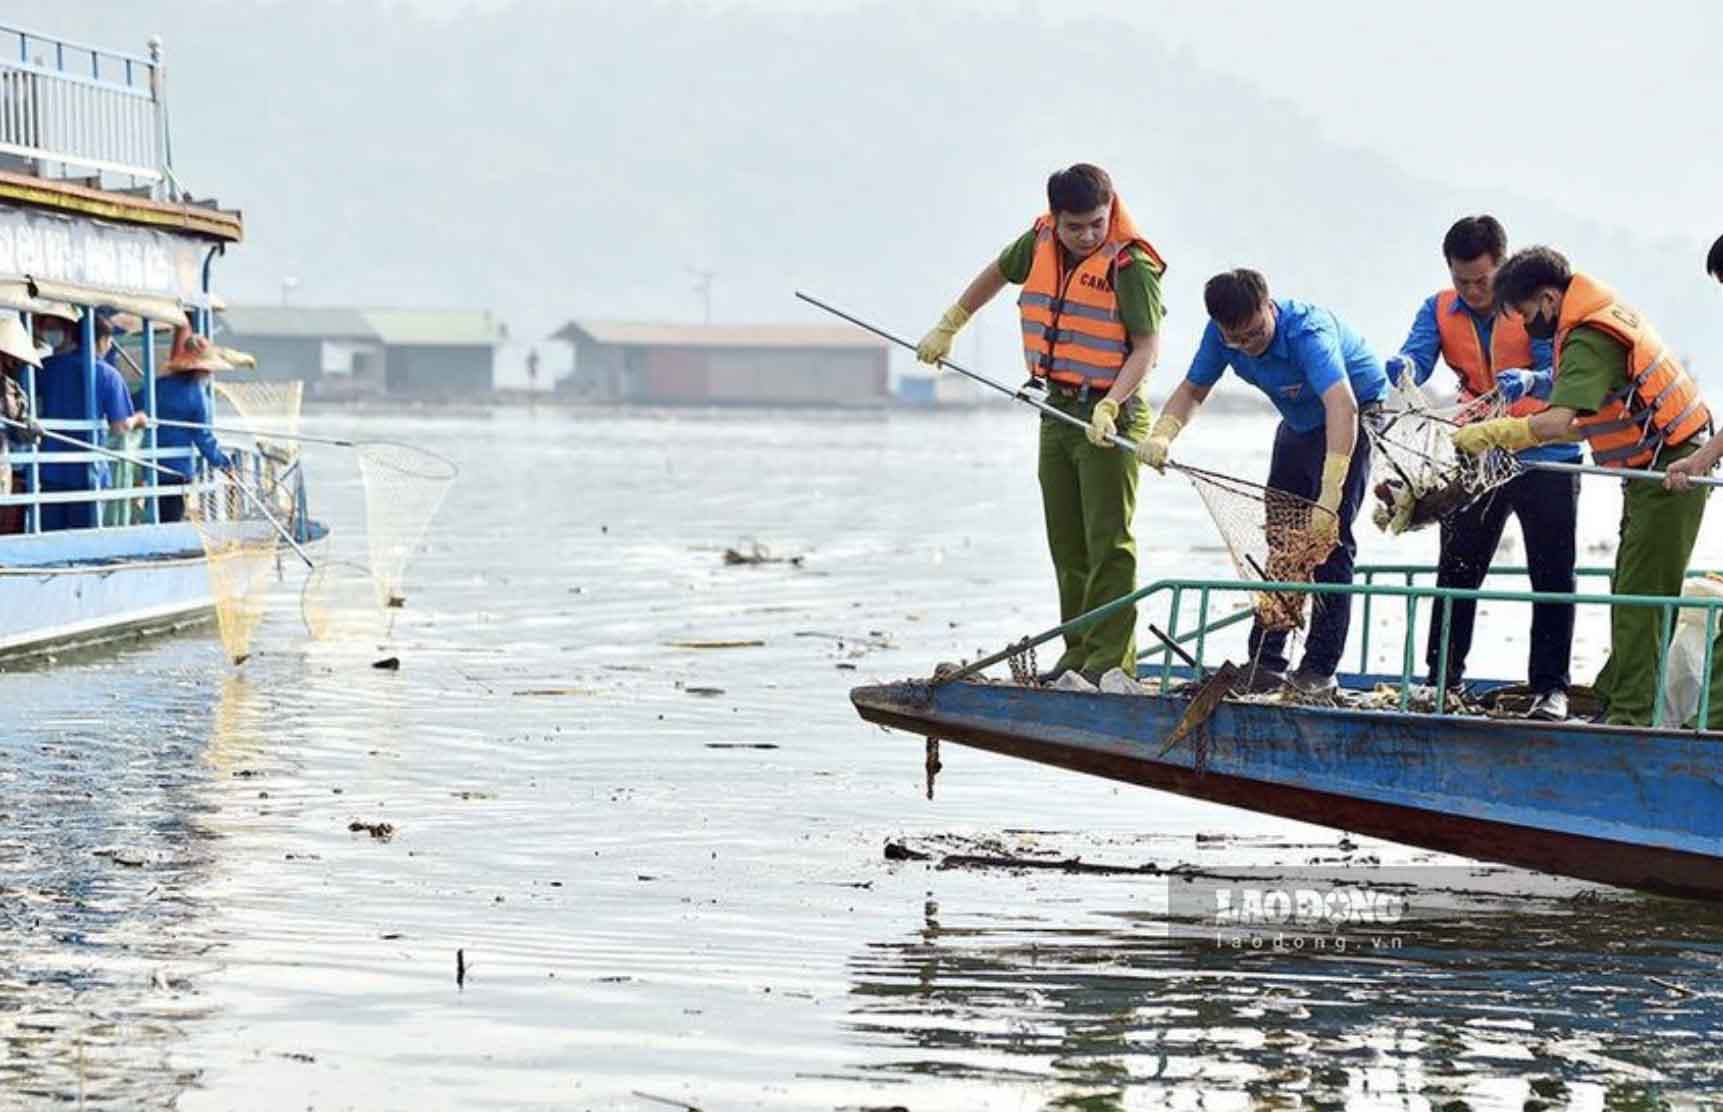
x: 663, y: 865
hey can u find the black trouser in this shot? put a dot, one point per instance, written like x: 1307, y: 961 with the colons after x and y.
x: 1296, y: 468
x: 1547, y: 505
x: 172, y: 505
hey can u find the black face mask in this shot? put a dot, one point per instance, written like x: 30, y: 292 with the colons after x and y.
x: 1540, y: 327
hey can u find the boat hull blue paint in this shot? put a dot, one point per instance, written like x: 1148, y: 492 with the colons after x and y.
x: 1635, y: 808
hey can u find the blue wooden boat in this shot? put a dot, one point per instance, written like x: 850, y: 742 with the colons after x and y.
x: 1628, y: 806
x: 92, y: 217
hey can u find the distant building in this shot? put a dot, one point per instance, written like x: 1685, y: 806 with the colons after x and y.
x: 724, y: 364
x: 350, y: 352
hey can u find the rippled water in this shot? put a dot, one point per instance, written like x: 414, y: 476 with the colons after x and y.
x: 662, y: 865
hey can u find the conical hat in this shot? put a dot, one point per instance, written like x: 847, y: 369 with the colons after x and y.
x: 16, y: 342
x: 192, y: 352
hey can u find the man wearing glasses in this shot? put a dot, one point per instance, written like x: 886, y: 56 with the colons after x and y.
x: 1319, y: 373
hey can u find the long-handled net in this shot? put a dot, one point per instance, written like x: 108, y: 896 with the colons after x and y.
x: 1419, y: 477
x: 404, y: 487
x: 1271, y: 536
x: 269, y: 411
x: 338, y: 602
x: 240, y: 555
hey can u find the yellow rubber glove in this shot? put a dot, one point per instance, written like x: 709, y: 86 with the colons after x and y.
x: 1511, y: 434
x: 936, y: 345
x: 1326, y: 525
x: 1103, y: 423
x: 1153, y: 448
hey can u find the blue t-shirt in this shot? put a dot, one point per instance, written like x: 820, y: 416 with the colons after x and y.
x: 1312, y: 350
x: 1424, y: 343
x: 182, y: 397
x: 60, y: 395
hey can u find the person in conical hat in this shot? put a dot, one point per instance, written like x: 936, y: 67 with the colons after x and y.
x: 1090, y: 312
x: 182, y: 395
x: 16, y: 352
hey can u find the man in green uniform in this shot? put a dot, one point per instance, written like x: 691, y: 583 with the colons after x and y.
x: 1658, y: 525
x: 1088, y: 487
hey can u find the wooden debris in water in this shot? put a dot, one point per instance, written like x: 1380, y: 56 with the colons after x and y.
x: 1209, y: 695
x: 933, y: 764
x: 382, y: 831
x: 682, y: 1104
x: 757, y: 555
x: 747, y: 644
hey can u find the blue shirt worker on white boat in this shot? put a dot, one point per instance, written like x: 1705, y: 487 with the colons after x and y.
x: 1320, y: 374
x: 1490, y: 353
x: 182, y: 395
x: 61, y: 394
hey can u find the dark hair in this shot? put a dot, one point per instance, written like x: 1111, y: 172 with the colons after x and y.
x: 1234, y: 296
x: 1714, y: 261
x: 1529, y: 270
x: 1474, y: 236
x: 1082, y: 188
x: 104, y: 326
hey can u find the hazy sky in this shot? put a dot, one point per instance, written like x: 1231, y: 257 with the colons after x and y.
x: 1528, y: 96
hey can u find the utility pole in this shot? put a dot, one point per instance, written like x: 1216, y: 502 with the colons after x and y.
x: 703, y: 287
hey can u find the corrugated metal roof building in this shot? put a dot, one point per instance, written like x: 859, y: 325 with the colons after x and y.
x: 355, y: 352
x: 724, y: 364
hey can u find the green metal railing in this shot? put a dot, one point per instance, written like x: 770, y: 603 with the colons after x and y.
x: 1369, y: 590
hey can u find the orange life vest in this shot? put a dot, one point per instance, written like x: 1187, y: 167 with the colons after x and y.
x: 1072, y: 332
x: 1659, y: 405
x: 1463, y: 350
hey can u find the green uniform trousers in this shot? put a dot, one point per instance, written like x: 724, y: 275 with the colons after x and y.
x: 1658, y: 529
x: 1088, y: 496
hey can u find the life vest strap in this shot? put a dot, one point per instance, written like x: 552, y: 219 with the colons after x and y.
x: 1066, y: 336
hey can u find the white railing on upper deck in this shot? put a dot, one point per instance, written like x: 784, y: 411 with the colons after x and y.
x: 74, y: 111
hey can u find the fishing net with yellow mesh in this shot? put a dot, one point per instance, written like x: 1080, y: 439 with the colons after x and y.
x: 1270, y: 536
x: 404, y: 487
x: 270, y: 413
x: 1419, y: 478
x: 240, y: 556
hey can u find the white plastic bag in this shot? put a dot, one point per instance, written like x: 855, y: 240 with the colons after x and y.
x: 1684, y: 678
x: 1116, y: 682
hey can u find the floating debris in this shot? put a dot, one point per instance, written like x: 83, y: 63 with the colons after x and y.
x: 388, y: 664
x: 382, y: 831
x: 747, y: 644
x: 556, y: 691
x: 757, y: 555
x: 742, y: 745
x: 707, y: 692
